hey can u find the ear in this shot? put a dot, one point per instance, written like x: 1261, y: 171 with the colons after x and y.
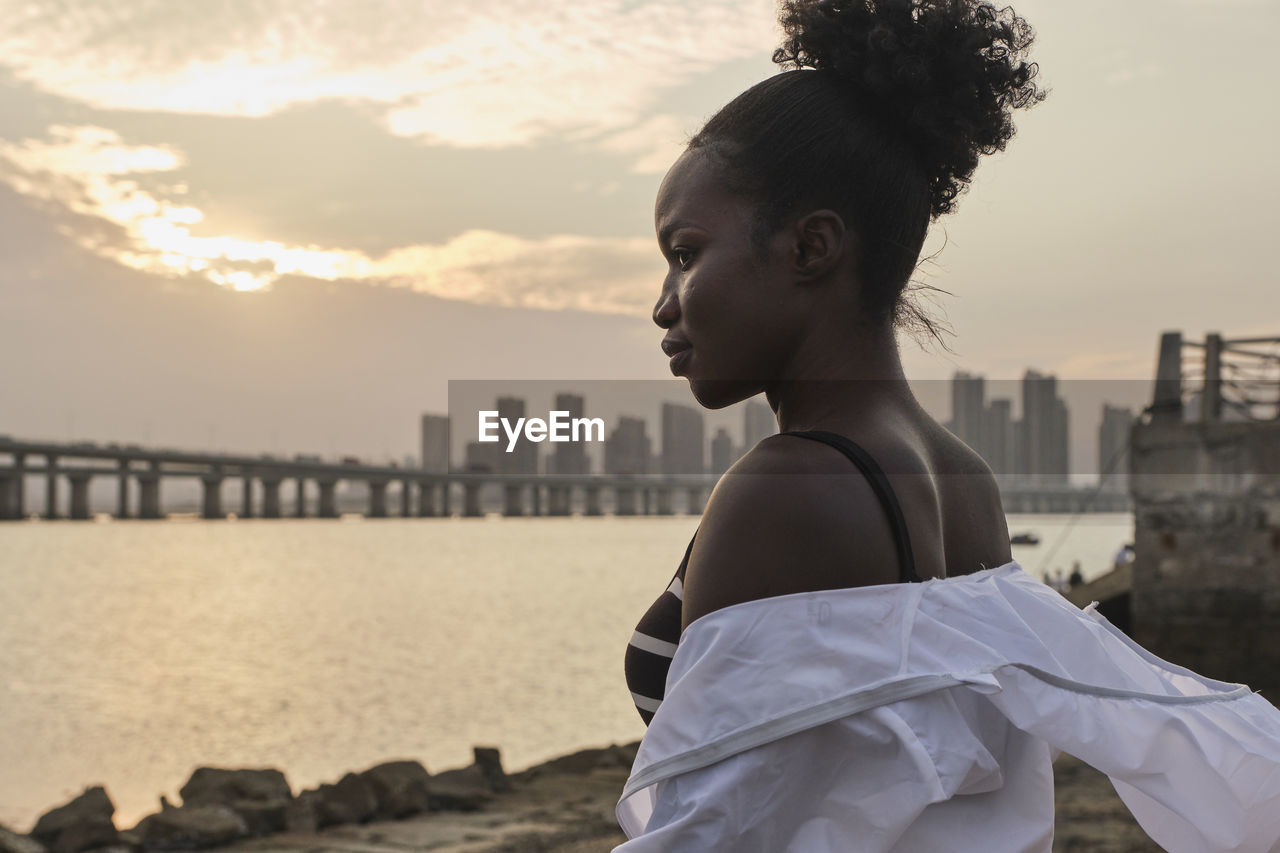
x: 820, y: 242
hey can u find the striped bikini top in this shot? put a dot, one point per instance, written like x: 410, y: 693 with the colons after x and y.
x: 654, y: 642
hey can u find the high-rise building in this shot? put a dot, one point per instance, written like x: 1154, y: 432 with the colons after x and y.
x: 721, y: 452
x: 435, y: 443
x: 1113, y: 447
x: 998, y: 437
x: 758, y: 422
x: 569, y: 458
x: 523, y: 458
x: 1042, y: 445
x: 683, y: 440
x: 627, y: 449
x: 968, y: 411
x: 483, y: 456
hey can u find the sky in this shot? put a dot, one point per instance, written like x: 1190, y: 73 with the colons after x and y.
x: 286, y: 225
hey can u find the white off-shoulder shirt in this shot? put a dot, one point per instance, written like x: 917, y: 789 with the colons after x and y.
x: 924, y: 717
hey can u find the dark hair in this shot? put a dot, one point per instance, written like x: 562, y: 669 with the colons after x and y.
x: 882, y: 120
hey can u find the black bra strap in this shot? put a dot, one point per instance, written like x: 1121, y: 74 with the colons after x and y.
x: 880, y: 485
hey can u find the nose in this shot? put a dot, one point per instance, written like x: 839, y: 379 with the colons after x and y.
x: 667, y: 310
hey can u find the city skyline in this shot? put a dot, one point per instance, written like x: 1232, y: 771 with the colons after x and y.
x: 292, y: 237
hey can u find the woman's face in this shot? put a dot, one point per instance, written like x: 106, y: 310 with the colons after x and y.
x: 723, y: 303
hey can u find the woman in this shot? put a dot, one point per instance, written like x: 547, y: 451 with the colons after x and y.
x: 848, y: 658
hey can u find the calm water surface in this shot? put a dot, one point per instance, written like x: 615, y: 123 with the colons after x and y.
x: 134, y: 652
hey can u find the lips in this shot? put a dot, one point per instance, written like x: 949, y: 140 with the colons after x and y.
x: 672, y: 346
x: 679, y: 350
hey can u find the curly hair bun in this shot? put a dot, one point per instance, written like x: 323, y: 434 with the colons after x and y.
x: 946, y: 73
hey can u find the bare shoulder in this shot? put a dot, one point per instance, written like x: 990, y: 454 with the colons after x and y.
x: 790, y: 516
x: 974, y: 529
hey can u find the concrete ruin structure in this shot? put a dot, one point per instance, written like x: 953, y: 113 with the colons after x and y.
x: 1205, y: 484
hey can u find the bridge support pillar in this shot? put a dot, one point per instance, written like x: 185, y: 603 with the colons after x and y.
x: 51, y: 487
x: 149, y: 495
x: 665, y: 504
x: 328, y: 503
x: 212, y: 496
x: 593, y: 501
x: 377, y: 498
x: 406, y: 499
x: 536, y: 488
x: 19, y: 486
x: 445, y: 505
x: 626, y: 500
x: 513, y: 499
x: 426, y: 499
x: 300, y: 511
x: 80, y: 496
x: 246, y: 497
x: 696, y: 502
x: 471, y: 500
x: 270, y: 497
x: 558, y: 499
x: 122, y: 499
x: 8, y: 485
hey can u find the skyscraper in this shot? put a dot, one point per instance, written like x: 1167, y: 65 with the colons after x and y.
x: 721, y: 452
x: 435, y: 443
x: 627, y: 449
x: 523, y: 458
x: 483, y: 456
x: 569, y: 458
x: 1113, y: 447
x: 683, y: 440
x: 968, y: 411
x: 998, y: 434
x: 1042, y: 445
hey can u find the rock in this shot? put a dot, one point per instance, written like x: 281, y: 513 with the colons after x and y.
x: 12, y: 842
x: 489, y: 760
x: 214, y: 785
x: 191, y: 828
x: 132, y: 838
x: 92, y: 805
x: 86, y: 835
x: 306, y: 812
x: 582, y: 761
x: 620, y: 755
x: 401, y: 788
x: 82, y: 824
x: 262, y: 818
x: 352, y: 800
x: 260, y: 796
x: 464, y: 790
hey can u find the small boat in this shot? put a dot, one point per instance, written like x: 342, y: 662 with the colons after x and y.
x: 1024, y: 539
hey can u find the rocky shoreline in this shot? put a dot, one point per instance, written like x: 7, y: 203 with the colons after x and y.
x: 566, y: 804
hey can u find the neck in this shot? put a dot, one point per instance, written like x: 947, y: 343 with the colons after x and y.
x: 840, y: 387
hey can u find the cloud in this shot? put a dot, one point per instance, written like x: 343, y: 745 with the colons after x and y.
x: 654, y: 143
x: 563, y: 272
x: 490, y: 73
x: 88, y: 171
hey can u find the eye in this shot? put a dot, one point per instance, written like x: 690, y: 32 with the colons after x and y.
x: 683, y: 257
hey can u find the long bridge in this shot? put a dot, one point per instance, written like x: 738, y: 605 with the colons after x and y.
x: 423, y: 494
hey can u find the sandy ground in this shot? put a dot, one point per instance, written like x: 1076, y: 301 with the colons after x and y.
x: 573, y: 813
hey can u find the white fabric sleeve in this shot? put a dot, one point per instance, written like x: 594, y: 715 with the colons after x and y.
x: 860, y: 783
x: 1199, y: 778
